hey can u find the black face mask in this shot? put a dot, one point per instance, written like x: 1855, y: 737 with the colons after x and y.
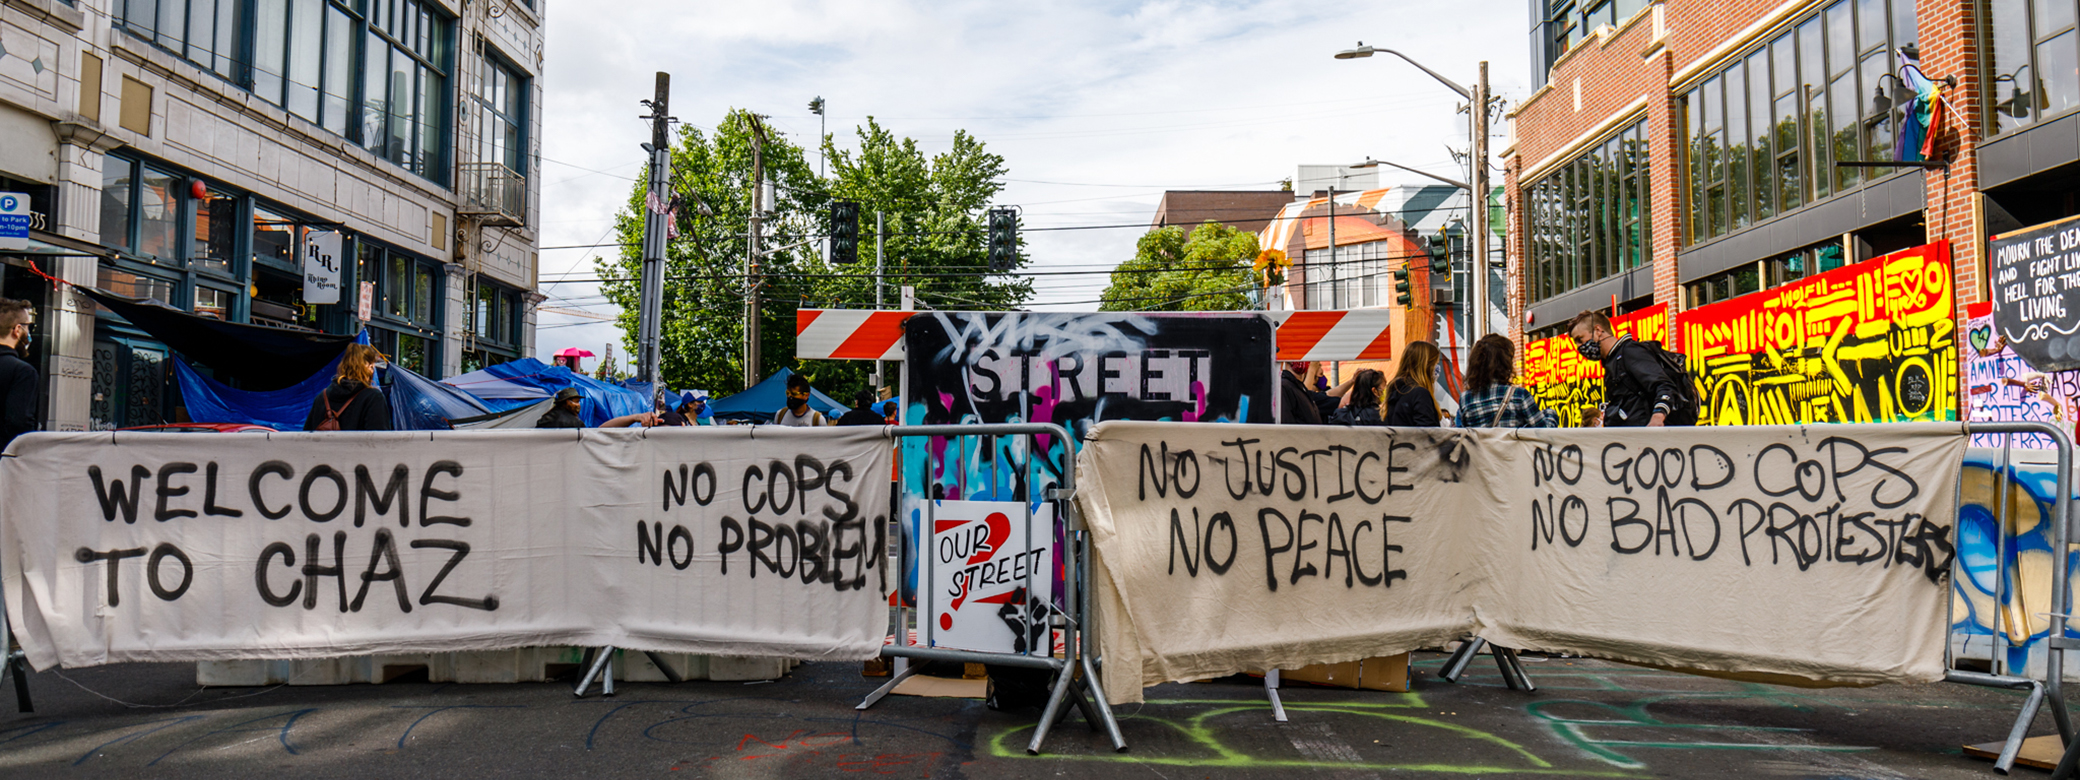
x: 797, y: 404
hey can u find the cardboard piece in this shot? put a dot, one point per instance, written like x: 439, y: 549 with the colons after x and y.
x: 2037, y: 752
x: 943, y: 688
x: 1384, y: 673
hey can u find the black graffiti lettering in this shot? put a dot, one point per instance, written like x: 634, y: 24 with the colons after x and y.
x: 732, y: 541
x: 814, y: 550
x: 1185, y: 462
x: 842, y: 552
x: 1630, y: 518
x: 1265, y: 479
x: 1664, y: 522
x: 1149, y: 463
x: 1928, y: 547
x: 1227, y: 468
x: 427, y: 492
x: 1680, y: 513
x: 1346, y: 481
x: 804, y: 466
x: 276, y: 467
x: 1869, y: 457
x: 1388, y: 574
x: 1358, y: 480
x: 1270, y: 552
x: 844, y: 499
x: 166, y: 489
x: 312, y: 571
x: 1764, y: 471
x: 392, y: 493
x: 674, y: 492
x: 791, y: 556
x: 1541, y: 527
x: 209, y: 495
x: 1356, y: 565
x: 751, y: 472
x: 1796, y: 534
x: 114, y: 496
x: 1219, y: 566
x: 1072, y: 376
x: 1190, y: 540
x: 1392, y: 486
x: 1300, y: 567
x: 151, y: 571
x: 671, y: 546
x: 1647, y: 456
x: 340, y: 495
x: 1623, y: 476
x: 1739, y: 510
x: 115, y: 560
x: 385, y: 553
x: 1336, y: 550
x: 702, y: 471
x: 260, y: 575
x: 981, y: 369
x: 1571, y: 453
x: 1697, y: 466
x: 774, y: 471
x: 650, y: 542
x: 1844, y: 540
x: 1578, y: 507
x: 1293, y: 473
x: 489, y: 603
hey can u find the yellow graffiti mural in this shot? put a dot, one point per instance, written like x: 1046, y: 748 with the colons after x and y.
x: 1564, y: 382
x: 1870, y: 342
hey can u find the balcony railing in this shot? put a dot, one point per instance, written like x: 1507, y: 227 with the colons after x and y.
x: 493, y: 192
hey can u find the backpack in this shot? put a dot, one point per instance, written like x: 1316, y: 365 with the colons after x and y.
x: 1677, y: 365
x: 331, y: 421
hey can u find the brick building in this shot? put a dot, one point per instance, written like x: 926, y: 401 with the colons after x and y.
x: 1682, y: 154
x: 192, y: 151
x: 1244, y: 210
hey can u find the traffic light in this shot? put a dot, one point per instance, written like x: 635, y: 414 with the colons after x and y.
x: 1003, y: 239
x: 1440, y: 254
x: 1403, y: 293
x: 844, y: 232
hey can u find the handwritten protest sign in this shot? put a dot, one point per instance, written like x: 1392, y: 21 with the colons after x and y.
x: 140, y: 547
x: 1818, y: 553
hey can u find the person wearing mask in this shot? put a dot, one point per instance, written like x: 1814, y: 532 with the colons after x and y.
x: 1361, y: 401
x: 563, y: 413
x: 1410, y: 401
x: 351, y: 402
x: 21, y: 389
x: 1490, y: 401
x: 863, y: 411
x: 1637, y: 389
x: 687, y: 411
x: 1296, y: 403
x: 798, y: 414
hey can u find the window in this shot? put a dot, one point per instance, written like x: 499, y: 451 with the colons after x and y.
x: 1765, y: 132
x: 213, y: 303
x: 158, y: 212
x: 117, y: 176
x: 407, y: 288
x: 1570, y: 22
x: 275, y: 238
x: 495, y: 314
x: 305, y: 55
x: 502, y: 111
x: 134, y: 285
x: 216, y: 233
x: 1588, y: 218
x: 2033, y: 62
x: 1789, y: 267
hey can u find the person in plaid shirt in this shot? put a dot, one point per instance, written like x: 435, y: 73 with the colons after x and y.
x: 1490, y: 400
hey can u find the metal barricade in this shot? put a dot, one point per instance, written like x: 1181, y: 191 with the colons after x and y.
x: 1079, y: 640
x: 1998, y: 674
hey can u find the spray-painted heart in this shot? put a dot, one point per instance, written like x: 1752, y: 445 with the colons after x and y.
x: 1980, y: 337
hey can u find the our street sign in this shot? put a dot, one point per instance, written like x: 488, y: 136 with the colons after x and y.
x: 14, y: 220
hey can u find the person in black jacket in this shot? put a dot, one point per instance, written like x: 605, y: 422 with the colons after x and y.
x: 564, y: 413
x: 863, y: 411
x: 1637, y: 391
x: 1297, y: 404
x: 1410, y: 401
x: 351, y: 402
x: 20, y: 387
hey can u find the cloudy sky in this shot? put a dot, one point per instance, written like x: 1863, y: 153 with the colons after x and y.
x: 1097, y: 107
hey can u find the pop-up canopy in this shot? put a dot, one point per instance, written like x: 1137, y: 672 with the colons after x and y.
x: 759, y: 403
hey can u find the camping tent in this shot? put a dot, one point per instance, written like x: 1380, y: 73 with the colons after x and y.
x: 516, y: 417
x: 763, y: 399
x: 527, y: 380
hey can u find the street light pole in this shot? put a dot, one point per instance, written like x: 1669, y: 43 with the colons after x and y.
x: 1476, y: 180
x: 657, y: 206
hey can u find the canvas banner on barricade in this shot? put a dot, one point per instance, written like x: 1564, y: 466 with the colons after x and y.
x: 148, y: 547
x: 1812, y: 553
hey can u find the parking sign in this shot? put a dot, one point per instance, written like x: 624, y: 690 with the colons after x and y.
x: 14, y: 220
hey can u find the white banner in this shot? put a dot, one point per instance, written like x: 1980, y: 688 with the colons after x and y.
x: 155, y: 547
x: 321, y: 266
x: 1819, y: 553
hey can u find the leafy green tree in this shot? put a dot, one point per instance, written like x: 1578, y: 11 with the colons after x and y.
x: 937, y: 241
x: 1205, y: 270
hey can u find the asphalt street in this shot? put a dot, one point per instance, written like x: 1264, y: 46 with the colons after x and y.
x: 1589, y: 719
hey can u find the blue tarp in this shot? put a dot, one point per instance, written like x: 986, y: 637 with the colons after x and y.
x: 527, y: 380
x: 421, y: 404
x: 210, y: 401
x: 759, y: 403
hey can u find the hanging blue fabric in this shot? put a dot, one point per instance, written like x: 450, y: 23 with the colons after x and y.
x: 421, y: 404
x: 362, y: 337
x: 210, y: 401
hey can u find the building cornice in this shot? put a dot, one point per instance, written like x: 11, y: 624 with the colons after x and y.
x: 1632, y: 112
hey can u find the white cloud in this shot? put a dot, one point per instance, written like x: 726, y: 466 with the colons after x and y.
x: 1163, y: 94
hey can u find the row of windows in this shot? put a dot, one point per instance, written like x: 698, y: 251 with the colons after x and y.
x: 2032, y: 61
x: 1359, y: 276
x: 1763, y: 275
x: 373, y: 71
x: 1766, y: 132
x: 1588, y: 219
x: 1569, y: 23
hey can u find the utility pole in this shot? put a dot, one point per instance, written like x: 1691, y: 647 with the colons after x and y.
x: 1478, y: 218
x: 880, y: 232
x: 758, y: 206
x: 657, y: 210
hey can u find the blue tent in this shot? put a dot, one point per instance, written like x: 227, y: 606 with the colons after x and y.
x: 421, y: 404
x: 527, y: 381
x: 210, y: 401
x: 765, y: 398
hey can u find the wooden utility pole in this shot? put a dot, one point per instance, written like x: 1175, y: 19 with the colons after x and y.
x: 751, y: 250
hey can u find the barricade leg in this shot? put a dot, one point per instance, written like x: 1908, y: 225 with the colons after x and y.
x: 1456, y: 665
x: 1088, y: 641
x: 1278, y: 708
x: 1062, y: 681
x: 890, y: 686
x: 1512, y: 671
x: 603, y: 659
